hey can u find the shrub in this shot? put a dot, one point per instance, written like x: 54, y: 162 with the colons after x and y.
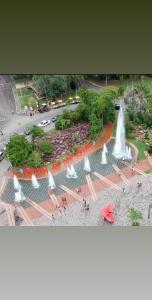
x: 34, y: 160
x: 36, y: 131
x: 150, y: 141
x: 135, y: 216
x: 74, y: 149
x: 129, y: 130
x: 46, y: 147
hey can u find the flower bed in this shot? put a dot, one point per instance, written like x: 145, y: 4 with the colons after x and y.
x: 65, y: 141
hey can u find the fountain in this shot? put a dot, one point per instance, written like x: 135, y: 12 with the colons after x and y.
x: 87, y: 165
x: 103, y: 158
x: 128, y: 153
x: 105, y: 148
x: 19, y: 196
x: 16, y: 183
x: 51, y: 181
x: 119, y: 150
x: 35, y: 182
x: 71, y: 173
x: 68, y: 175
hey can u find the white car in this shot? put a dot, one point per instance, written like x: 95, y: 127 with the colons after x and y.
x: 44, y: 123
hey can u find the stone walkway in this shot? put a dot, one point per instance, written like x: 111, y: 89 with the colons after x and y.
x: 85, y: 192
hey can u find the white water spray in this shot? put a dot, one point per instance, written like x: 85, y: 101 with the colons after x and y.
x: 51, y: 181
x: 71, y: 173
x: 103, y: 158
x: 35, y: 182
x: 87, y: 165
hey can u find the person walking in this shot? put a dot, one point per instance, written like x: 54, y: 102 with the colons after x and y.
x: 87, y: 207
x: 84, y: 203
x: 124, y: 191
x: 53, y: 218
x: 139, y: 184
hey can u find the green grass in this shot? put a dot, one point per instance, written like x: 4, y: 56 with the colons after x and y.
x: 148, y: 171
x: 28, y: 101
x: 24, y: 92
x: 141, y: 146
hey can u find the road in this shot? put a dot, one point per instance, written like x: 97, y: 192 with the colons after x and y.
x: 7, y: 101
x: 19, y: 123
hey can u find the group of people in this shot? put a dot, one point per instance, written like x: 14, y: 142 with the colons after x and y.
x: 64, y: 204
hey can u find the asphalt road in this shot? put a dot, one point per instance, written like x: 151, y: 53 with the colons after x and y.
x: 7, y: 101
x: 19, y: 123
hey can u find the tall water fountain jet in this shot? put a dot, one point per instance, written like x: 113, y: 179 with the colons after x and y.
x: 16, y: 183
x: 87, y: 165
x: 103, y: 158
x: 35, y: 182
x: 51, y: 181
x: 128, y: 153
x: 71, y: 173
x: 119, y: 150
x: 105, y: 148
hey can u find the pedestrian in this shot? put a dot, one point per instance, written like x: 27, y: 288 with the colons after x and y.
x: 84, y: 203
x: 139, y: 184
x: 53, y: 217
x: 64, y: 201
x: 87, y: 207
x: 79, y: 190
x: 133, y: 170
x: 124, y: 191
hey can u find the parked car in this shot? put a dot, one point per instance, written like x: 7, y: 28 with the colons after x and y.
x: 27, y: 131
x: 54, y: 119
x: 44, y: 123
x: 2, y: 154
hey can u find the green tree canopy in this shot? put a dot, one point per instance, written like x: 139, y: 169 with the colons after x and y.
x: 95, y: 126
x: 51, y: 85
x: 18, y: 150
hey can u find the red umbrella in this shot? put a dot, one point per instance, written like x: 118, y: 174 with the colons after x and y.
x: 107, y: 213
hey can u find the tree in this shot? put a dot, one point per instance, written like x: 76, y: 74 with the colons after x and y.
x: 110, y: 94
x: 46, y: 147
x: 101, y: 104
x: 34, y: 160
x: 135, y: 216
x: 95, y: 126
x: 51, y: 85
x: 76, y: 78
x: 150, y: 141
x: 18, y: 150
x: 36, y: 131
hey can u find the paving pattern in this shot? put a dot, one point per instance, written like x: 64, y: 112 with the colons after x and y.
x: 135, y: 197
x: 41, y: 194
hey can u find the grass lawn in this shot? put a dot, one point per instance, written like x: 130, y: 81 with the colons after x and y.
x: 28, y: 101
x: 141, y: 146
x: 148, y: 171
x: 25, y: 92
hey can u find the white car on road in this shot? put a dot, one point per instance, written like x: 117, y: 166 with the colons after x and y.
x: 44, y: 123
